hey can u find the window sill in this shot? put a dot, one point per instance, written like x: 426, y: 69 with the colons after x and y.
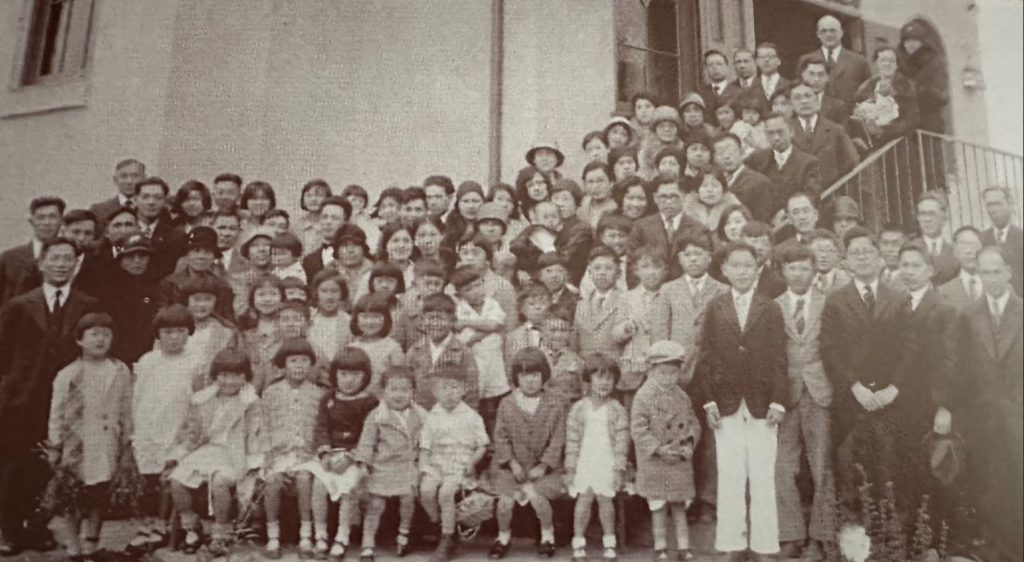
x: 44, y: 98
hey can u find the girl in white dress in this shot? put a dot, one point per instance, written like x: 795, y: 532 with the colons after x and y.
x: 329, y: 325
x: 597, y: 439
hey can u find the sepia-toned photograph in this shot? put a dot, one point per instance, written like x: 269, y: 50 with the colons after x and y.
x: 436, y: 280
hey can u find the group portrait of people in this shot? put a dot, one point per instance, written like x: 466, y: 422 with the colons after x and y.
x: 686, y: 330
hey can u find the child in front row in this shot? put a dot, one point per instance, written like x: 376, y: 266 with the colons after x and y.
x: 339, y: 424
x: 218, y: 444
x: 665, y: 432
x: 453, y: 440
x: 90, y: 427
x: 596, y: 444
x: 290, y: 409
x: 388, y: 448
x: 529, y: 436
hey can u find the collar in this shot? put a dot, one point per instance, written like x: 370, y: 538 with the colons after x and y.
x: 460, y: 408
x: 673, y: 219
x: 784, y: 156
x: 916, y: 296
x: 998, y: 303
x: 735, y: 174
x: 720, y: 85
x: 49, y: 291
x: 698, y: 280
x: 736, y: 295
x: 439, y: 346
x: 812, y: 119
x: 966, y: 277
x: 772, y: 80
x: 123, y: 199
x: 835, y: 50
x: 793, y: 297
x: 939, y: 241
x: 37, y: 247
x: 861, y: 285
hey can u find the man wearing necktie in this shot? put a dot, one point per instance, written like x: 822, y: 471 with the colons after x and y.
x: 991, y: 339
x: 334, y: 212
x: 966, y: 286
x: 658, y: 231
x: 819, y: 137
x: 931, y: 220
x: 999, y: 202
x: 718, y: 86
x: 866, y: 345
x: 36, y: 329
x: 746, y: 68
x: 847, y: 69
x: 788, y: 168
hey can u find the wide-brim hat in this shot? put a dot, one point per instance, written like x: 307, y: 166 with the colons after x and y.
x: 203, y: 238
x: 619, y: 120
x: 692, y: 97
x: 257, y: 233
x: 550, y: 145
x: 665, y: 113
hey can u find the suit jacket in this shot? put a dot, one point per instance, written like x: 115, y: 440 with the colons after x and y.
x: 800, y: 173
x: 806, y: 370
x: 991, y: 364
x: 105, y: 208
x: 169, y: 243
x: 1014, y: 247
x: 573, y: 242
x: 754, y: 190
x: 872, y: 347
x: 947, y: 267
x: 15, y: 264
x: 933, y: 366
x: 765, y: 98
x: 599, y: 331
x: 649, y: 232
x: 840, y: 279
x: 91, y: 278
x: 770, y: 283
x: 830, y: 144
x: 743, y: 363
x: 834, y: 109
x: 313, y: 263
x: 686, y: 312
x: 953, y: 292
x: 30, y: 358
x: 849, y: 72
x: 713, y: 100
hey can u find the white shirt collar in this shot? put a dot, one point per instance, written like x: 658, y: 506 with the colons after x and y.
x: 916, y: 296
x: 37, y: 247
x: 768, y: 82
x: 123, y: 199
x: 738, y: 296
x: 835, y: 51
x: 720, y: 86
x: 436, y: 349
x: 50, y: 292
x: 735, y: 174
x: 966, y: 277
x: 783, y: 156
x: 938, y: 241
x: 674, y: 220
x: 998, y: 303
x: 861, y: 285
x: 812, y: 120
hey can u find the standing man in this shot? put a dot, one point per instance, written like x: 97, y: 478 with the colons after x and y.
x: 752, y: 188
x: 746, y: 68
x: 167, y: 240
x: 819, y: 137
x: 227, y: 192
x: 439, y: 190
x: 814, y: 73
x: 334, y: 212
x: 741, y: 383
x: 37, y: 331
x: 771, y: 81
x: 658, y: 230
x: 966, y: 286
x: 890, y: 239
x: 847, y: 70
x: 126, y: 174
x: 931, y: 220
x: 865, y: 347
x: 787, y: 167
x: 992, y: 351
x: 80, y: 226
x: 45, y: 216
x: 999, y: 206
x: 717, y: 87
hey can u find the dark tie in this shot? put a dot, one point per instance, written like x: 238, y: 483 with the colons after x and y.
x: 869, y: 297
x: 798, y: 315
x: 56, y: 318
x: 831, y: 61
x: 57, y: 304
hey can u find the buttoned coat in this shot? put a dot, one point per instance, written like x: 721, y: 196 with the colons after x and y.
x: 830, y: 144
x: 801, y: 172
x: 932, y: 371
x: 1014, y: 247
x: 600, y: 331
x: 536, y: 439
x: 663, y: 416
x: 806, y: 370
x: 390, y: 447
x: 649, y: 233
x: 15, y: 264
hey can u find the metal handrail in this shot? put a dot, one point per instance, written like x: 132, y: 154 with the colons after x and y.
x: 968, y: 143
x: 878, y: 154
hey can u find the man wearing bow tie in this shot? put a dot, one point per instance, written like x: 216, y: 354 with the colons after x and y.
x: 334, y: 212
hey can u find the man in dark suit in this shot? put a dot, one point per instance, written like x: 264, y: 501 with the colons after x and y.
x: 966, y: 286
x: 802, y: 214
x: 866, y: 345
x: 769, y: 282
x: 992, y: 351
x: 91, y: 270
x: 931, y: 220
x: 168, y: 241
x: 787, y: 167
x: 769, y: 81
x: 126, y: 174
x: 819, y: 137
x: 718, y: 87
x: 658, y: 230
x: 999, y: 206
x: 334, y: 212
x: 36, y: 329
x: 746, y: 68
x: 45, y: 216
x: 741, y: 382
x: 752, y: 188
x: 847, y: 70
x: 814, y: 73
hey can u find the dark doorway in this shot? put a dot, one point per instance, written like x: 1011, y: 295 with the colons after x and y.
x: 791, y: 25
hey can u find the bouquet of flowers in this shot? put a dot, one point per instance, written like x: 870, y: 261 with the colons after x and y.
x: 879, y: 110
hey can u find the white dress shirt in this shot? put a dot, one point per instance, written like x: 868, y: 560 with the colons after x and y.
x: 791, y: 300
x: 719, y: 87
x: 782, y: 157
x: 672, y: 223
x: 971, y: 283
x: 768, y: 83
x: 862, y: 285
x: 934, y: 244
x: 916, y: 296
x: 742, y: 303
x: 808, y: 123
x: 37, y: 247
x: 997, y: 305
x: 50, y: 294
x: 835, y: 52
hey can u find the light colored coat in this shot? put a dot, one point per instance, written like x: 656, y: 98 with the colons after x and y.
x: 663, y: 416
x: 618, y: 432
x: 650, y: 316
x: 806, y: 371
x: 600, y: 331
x: 389, y: 445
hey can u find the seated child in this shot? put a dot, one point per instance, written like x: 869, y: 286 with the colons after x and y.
x: 217, y: 445
x: 529, y: 436
x: 453, y: 440
x: 479, y: 323
x: 339, y: 424
x: 90, y: 427
x: 292, y: 322
x: 165, y: 379
x: 290, y: 409
x: 388, y: 448
x: 665, y: 431
x: 596, y: 444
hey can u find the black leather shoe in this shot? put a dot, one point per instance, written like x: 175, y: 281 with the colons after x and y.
x: 498, y: 551
x: 546, y: 550
x: 7, y: 548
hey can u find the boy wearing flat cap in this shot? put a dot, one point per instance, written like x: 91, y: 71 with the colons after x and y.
x: 665, y: 431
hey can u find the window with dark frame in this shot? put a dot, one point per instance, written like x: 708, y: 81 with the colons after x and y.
x: 646, y: 51
x: 57, y: 44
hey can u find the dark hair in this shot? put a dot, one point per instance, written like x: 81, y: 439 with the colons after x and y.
x: 790, y: 253
x: 128, y: 162
x: 597, y: 165
x: 711, y: 52
x: 206, y: 284
x: 779, y: 93
x: 767, y: 45
x: 389, y: 270
x: 600, y: 364
x: 228, y: 176
x: 173, y: 316
x: 892, y: 227
x: 152, y: 180
x: 351, y: 358
x: 511, y: 191
x: 731, y: 248
x: 919, y: 247
x: 825, y: 234
x: 618, y: 153
x: 622, y: 187
x: 230, y: 360
x: 649, y: 252
x: 859, y: 232
x: 567, y: 185
x: 529, y: 360
x: 354, y: 190
x: 324, y: 276
x: 442, y: 181
x: 292, y: 282
x: 692, y: 237
x: 386, y: 234
x: 398, y: 372
x: 756, y: 229
x: 722, y: 137
x: 294, y: 304
x: 679, y: 155
x: 613, y: 221
x: 438, y: 302
x: 464, y: 275
x: 624, y: 124
x: 93, y: 320
x: 273, y: 213
x: 311, y: 185
x: 811, y: 198
x: 594, y: 135
x: 661, y: 179
x: 413, y: 193
x: 966, y: 228
x: 188, y: 188
x: 371, y: 303
x: 225, y: 214
x: 58, y: 241
x: 389, y: 193
x: 602, y: 251
x: 882, y: 49
x: 294, y: 346
x: 522, y: 178
x: 808, y: 61
x: 476, y: 239
x: 427, y: 267
x: 263, y: 281
x: 79, y: 215
x: 642, y: 96
x: 346, y: 207
x: 255, y: 188
x: 531, y: 290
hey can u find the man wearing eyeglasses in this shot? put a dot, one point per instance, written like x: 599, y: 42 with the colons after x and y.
x: 659, y: 230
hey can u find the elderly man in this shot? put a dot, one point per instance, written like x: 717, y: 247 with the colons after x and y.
x: 819, y: 137
x: 999, y: 206
x: 787, y: 167
x: 126, y: 174
x: 847, y: 70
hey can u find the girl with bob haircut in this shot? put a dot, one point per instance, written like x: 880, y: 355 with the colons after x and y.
x: 329, y: 323
x: 191, y: 205
x: 256, y: 201
x: 532, y: 187
x: 371, y: 332
x: 311, y: 200
x: 385, y: 210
